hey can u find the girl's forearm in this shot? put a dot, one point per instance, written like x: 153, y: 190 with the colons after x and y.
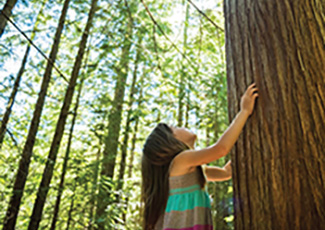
x: 230, y: 136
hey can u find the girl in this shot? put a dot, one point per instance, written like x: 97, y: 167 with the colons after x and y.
x: 173, y: 180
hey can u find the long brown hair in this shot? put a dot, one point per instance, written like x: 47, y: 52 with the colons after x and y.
x: 159, y: 150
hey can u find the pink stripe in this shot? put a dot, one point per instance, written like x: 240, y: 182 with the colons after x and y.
x: 196, y: 227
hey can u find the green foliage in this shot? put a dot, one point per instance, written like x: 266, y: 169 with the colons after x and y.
x: 201, y: 61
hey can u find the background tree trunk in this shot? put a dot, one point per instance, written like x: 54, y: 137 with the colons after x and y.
x: 129, y: 119
x: 278, y: 161
x: 55, y: 145
x: 7, y: 9
x: 114, y: 126
x: 21, y: 176
x: 66, y: 158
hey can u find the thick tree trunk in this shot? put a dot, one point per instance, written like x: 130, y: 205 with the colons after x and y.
x: 279, y: 160
x: 13, y: 94
x: 66, y: 158
x: 55, y: 145
x: 21, y: 176
x: 6, y: 10
x: 114, y: 126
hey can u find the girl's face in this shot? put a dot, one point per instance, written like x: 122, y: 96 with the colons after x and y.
x: 184, y: 135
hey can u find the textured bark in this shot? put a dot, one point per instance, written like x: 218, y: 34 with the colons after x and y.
x: 65, y: 161
x: 114, y: 126
x: 7, y: 11
x: 278, y: 161
x: 21, y: 176
x: 13, y: 94
x: 55, y: 145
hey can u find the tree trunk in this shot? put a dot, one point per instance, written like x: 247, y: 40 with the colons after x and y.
x: 21, y: 176
x: 278, y: 162
x: 181, y: 85
x: 134, y: 139
x: 13, y: 94
x: 94, y: 187
x: 66, y: 158
x: 114, y: 123
x: 55, y: 145
x: 129, y: 118
x: 6, y: 10
x: 71, y: 204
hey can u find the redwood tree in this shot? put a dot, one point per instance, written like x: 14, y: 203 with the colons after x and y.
x: 278, y: 161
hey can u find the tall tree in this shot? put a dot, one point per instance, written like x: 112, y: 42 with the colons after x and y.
x: 129, y: 117
x: 55, y: 145
x: 182, y: 78
x: 279, y: 160
x: 66, y: 158
x: 21, y: 176
x: 4, y: 13
x: 114, y: 123
x: 134, y: 139
x: 13, y: 94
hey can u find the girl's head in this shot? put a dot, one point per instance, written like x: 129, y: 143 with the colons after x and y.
x: 160, y: 148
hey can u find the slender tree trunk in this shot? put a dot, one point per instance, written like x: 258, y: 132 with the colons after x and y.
x: 13, y: 94
x: 6, y: 10
x: 278, y: 161
x: 71, y: 205
x: 66, y: 158
x: 55, y: 145
x: 21, y: 176
x: 129, y: 118
x: 114, y: 123
x: 181, y: 89
x: 134, y: 139
x: 94, y: 188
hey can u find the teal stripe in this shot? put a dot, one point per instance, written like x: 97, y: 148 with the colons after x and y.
x: 184, y: 189
x: 188, y: 201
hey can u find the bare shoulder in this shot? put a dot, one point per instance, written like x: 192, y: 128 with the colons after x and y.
x: 177, y: 168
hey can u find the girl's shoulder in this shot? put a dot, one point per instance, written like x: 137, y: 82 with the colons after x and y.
x: 177, y: 169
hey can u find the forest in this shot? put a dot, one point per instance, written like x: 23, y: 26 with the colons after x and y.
x: 83, y: 83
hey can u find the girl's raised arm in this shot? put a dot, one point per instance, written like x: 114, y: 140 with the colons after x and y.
x: 190, y: 158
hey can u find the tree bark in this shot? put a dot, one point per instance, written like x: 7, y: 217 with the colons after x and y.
x: 114, y: 126
x: 55, y: 145
x: 13, y: 94
x: 7, y: 9
x: 66, y: 158
x: 278, y: 162
x: 21, y: 176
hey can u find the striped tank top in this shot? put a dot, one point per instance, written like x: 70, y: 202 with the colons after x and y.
x: 188, y: 206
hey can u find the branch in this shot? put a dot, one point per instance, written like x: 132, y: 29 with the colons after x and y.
x: 32, y: 43
x: 155, y: 22
x: 209, y: 19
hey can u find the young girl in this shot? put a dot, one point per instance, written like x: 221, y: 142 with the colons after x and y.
x: 173, y: 180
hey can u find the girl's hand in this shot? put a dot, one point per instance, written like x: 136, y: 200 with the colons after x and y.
x: 248, y: 99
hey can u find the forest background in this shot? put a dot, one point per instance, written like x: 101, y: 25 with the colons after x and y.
x: 143, y: 63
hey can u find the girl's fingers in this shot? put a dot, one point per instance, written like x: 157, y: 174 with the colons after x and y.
x: 252, y: 91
